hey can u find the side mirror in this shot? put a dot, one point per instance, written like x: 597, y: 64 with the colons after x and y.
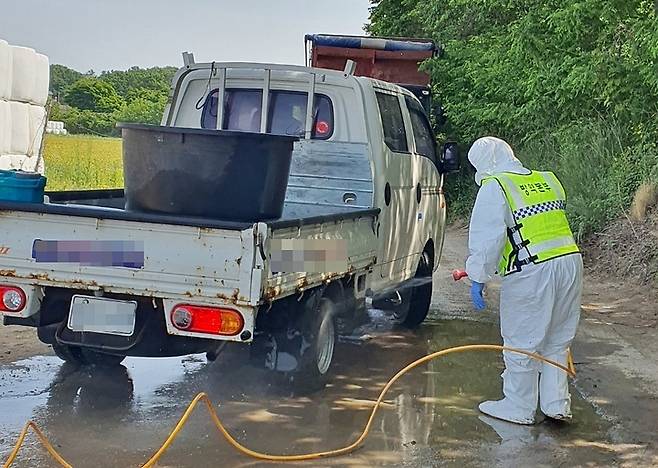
x: 450, y: 160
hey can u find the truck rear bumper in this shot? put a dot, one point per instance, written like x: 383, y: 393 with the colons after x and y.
x: 154, y: 335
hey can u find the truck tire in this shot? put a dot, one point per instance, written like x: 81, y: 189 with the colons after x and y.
x: 68, y: 354
x: 85, y: 357
x: 421, y: 294
x: 94, y: 358
x: 213, y: 354
x: 301, y: 352
x: 319, y: 337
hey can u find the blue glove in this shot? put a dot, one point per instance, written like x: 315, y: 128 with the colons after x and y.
x: 476, y: 295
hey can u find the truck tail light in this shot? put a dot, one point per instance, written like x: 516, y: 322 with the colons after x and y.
x: 210, y: 320
x: 13, y: 299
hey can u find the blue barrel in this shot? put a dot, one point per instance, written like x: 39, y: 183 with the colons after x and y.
x: 18, y: 186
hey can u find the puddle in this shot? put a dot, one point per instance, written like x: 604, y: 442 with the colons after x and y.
x: 119, y: 417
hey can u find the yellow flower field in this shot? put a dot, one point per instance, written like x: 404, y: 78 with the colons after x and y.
x: 82, y: 162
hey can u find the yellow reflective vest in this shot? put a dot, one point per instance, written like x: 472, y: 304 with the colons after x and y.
x: 541, y: 231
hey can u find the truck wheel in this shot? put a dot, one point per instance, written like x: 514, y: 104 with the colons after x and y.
x: 68, y: 354
x: 318, y: 332
x: 421, y: 295
x: 94, y: 358
x: 213, y: 354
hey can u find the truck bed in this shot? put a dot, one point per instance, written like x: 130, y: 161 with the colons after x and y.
x: 210, y: 259
x: 105, y: 204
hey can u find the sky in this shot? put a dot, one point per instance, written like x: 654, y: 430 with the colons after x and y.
x: 117, y: 34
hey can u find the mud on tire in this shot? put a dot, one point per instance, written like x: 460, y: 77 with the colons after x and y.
x: 421, y: 295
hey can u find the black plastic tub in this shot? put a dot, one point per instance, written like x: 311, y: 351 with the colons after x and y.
x: 235, y: 176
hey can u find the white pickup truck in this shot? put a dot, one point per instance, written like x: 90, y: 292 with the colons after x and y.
x: 366, y: 177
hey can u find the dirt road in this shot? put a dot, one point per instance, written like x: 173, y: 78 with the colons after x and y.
x: 118, y: 418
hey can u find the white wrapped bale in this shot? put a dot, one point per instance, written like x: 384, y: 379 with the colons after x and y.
x: 20, y: 128
x: 12, y: 161
x: 31, y: 164
x: 57, y: 131
x: 37, y: 125
x: 65, y: 131
x: 5, y: 127
x: 17, y: 160
x: 5, y: 70
x: 5, y: 162
x: 23, y: 74
x: 41, y: 80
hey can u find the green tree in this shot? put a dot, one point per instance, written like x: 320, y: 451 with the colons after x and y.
x: 93, y: 94
x: 520, y: 67
x: 571, y: 84
x: 143, y: 106
x: 400, y: 18
x: 61, y: 78
x: 156, y: 79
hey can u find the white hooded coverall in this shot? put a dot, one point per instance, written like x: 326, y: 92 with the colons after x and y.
x: 539, y: 306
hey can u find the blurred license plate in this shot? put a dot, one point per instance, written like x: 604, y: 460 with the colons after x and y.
x: 101, y: 315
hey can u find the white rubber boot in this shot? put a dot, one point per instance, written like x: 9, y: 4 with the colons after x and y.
x: 507, y: 411
x: 521, y: 388
x: 554, y: 397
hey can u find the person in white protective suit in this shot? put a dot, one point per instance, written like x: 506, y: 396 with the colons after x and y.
x: 519, y: 230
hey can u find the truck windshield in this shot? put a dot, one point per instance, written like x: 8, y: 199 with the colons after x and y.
x: 286, y: 113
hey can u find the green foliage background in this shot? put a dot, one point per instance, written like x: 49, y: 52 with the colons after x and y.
x: 571, y: 84
x: 93, y: 104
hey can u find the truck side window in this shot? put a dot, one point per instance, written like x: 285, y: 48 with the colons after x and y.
x: 286, y: 116
x: 395, y: 135
x: 423, y: 135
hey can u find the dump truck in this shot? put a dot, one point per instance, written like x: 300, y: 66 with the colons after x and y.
x: 105, y: 274
x: 394, y: 60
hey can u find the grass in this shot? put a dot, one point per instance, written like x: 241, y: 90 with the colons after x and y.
x: 75, y: 162
x: 600, y: 167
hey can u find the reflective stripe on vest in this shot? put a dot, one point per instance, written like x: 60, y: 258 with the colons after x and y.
x: 541, y: 230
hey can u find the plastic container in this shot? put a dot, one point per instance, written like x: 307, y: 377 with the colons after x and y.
x: 235, y: 176
x: 18, y: 186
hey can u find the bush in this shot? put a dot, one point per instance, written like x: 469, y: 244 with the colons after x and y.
x: 145, y: 106
x: 92, y: 94
x: 599, y: 169
x: 571, y: 85
x: 84, y: 121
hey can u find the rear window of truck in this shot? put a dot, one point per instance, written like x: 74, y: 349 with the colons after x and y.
x: 286, y: 114
x: 395, y: 135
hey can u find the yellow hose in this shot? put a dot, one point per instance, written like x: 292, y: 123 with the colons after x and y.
x: 569, y: 369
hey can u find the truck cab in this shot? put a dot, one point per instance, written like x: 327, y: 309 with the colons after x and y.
x: 401, y: 167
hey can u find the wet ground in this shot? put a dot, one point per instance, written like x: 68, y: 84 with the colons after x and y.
x: 118, y: 418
